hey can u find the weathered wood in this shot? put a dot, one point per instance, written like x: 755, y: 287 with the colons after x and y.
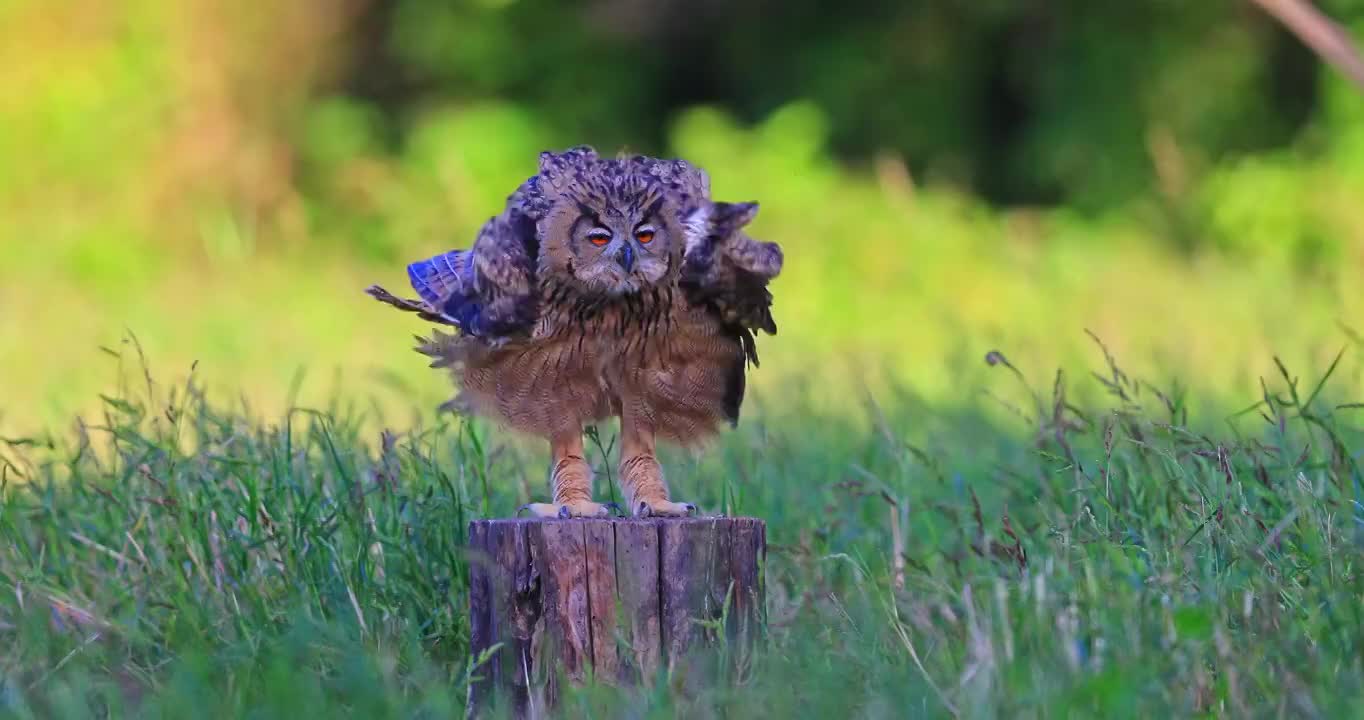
x: 514, y: 594
x: 748, y: 605
x: 637, y: 587
x: 617, y: 600
x: 694, y: 582
x: 685, y: 552
x: 599, y: 561
x: 557, y: 551
x: 480, y: 611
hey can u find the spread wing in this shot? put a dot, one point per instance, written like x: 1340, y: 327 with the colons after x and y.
x: 487, y: 291
x: 727, y: 271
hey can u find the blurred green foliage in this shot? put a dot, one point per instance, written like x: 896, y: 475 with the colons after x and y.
x: 1093, y: 106
x: 946, y: 176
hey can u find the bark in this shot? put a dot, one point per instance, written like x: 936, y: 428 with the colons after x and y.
x: 616, y: 601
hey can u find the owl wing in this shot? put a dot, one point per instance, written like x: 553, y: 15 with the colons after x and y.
x: 487, y: 291
x: 727, y: 271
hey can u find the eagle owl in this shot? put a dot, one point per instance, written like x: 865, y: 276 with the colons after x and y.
x: 605, y: 288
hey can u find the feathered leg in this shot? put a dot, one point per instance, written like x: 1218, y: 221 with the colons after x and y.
x: 571, y: 477
x: 641, y: 476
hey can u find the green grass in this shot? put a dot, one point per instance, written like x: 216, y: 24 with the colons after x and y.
x: 1115, y: 559
x: 248, y: 543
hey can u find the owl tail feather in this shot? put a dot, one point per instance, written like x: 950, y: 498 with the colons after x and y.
x: 451, y: 351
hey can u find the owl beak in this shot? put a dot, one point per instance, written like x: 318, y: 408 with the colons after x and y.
x: 626, y: 257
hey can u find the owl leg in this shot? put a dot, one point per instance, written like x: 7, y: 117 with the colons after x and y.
x: 571, y: 477
x: 641, y: 477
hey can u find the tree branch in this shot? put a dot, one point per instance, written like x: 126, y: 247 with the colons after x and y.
x: 1327, y: 38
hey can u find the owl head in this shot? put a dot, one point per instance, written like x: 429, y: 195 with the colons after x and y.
x: 615, y: 227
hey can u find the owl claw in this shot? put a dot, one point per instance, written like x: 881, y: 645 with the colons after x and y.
x: 539, y: 510
x: 567, y: 511
x: 663, y: 508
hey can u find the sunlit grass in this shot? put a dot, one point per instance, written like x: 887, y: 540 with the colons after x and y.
x: 253, y: 325
x: 1108, y: 557
x: 224, y: 489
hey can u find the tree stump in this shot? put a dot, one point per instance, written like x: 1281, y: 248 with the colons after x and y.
x: 618, y: 600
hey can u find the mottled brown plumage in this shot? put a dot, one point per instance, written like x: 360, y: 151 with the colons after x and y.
x: 605, y: 288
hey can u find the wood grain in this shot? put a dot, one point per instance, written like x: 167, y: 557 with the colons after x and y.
x: 599, y: 560
x: 514, y: 591
x: 557, y: 549
x: 637, y: 587
x: 616, y: 600
x: 480, y: 612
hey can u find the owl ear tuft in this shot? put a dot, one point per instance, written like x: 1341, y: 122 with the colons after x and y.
x: 699, y: 179
x: 553, y: 165
x: 704, y: 182
x: 729, y: 217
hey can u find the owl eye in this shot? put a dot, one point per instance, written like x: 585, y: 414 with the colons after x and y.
x: 598, y: 237
x: 645, y: 236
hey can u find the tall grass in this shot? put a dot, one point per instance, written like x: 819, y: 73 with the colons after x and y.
x: 1018, y: 552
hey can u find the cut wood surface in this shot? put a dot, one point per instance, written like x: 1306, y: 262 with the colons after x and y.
x: 617, y: 600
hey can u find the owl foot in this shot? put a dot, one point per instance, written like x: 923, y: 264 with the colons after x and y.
x: 663, y: 508
x: 579, y: 509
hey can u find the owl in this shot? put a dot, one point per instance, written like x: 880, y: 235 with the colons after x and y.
x: 606, y: 288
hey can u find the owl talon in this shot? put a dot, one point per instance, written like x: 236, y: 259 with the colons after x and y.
x: 566, y: 511
x: 664, y: 508
x: 539, y: 510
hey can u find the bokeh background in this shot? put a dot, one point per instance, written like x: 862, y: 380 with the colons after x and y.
x: 221, y: 180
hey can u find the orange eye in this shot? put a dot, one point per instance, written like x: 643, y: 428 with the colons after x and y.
x: 599, y: 238
x: 645, y: 236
